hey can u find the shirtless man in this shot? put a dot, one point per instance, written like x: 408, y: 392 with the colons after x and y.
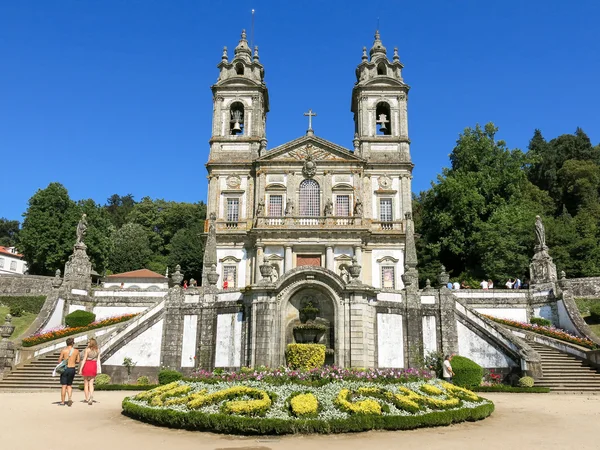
x: 66, y: 378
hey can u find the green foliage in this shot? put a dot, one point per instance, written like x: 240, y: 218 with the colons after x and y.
x: 540, y: 321
x: 130, y: 249
x: 511, y: 389
x: 99, y: 231
x: 118, y: 209
x: 129, y: 364
x: 187, y: 249
x: 79, y: 318
x: 122, y: 387
x: 31, y: 304
x: 467, y: 373
x: 305, y: 356
x: 143, y: 380
x: 102, y: 379
x: 9, y: 230
x: 526, y: 382
x: 434, y: 361
x: 595, y: 313
x: 16, y: 311
x: 166, y: 376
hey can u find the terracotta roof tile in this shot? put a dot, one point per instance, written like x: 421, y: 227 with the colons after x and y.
x: 6, y: 251
x: 141, y: 273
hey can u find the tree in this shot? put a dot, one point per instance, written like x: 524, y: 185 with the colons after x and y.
x: 48, y: 233
x: 187, y: 250
x: 118, y: 208
x: 9, y: 230
x: 130, y: 249
x: 99, y: 232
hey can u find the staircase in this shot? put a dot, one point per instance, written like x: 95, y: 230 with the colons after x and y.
x: 36, y: 374
x: 565, y: 373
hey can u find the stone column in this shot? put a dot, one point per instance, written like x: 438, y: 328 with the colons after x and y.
x: 259, y: 261
x: 329, y: 258
x: 358, y: 254
x: 288, y: 258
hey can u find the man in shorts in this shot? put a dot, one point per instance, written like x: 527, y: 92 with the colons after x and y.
x: 447, y: 372
x: 71, y: 354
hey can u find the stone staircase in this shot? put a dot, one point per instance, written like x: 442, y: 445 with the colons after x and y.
x: 565, y: 373
x: 36, y: 374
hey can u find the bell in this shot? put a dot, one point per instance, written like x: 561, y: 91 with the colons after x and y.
x: 236, y: 127
x: 382, y: 127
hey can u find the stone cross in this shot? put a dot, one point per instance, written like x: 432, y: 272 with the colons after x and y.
x: 310, y: 115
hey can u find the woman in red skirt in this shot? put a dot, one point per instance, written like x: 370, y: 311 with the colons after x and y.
x: 89, y: 369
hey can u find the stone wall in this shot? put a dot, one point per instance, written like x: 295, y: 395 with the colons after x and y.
x: 585, y: 287
x: 23, y: 285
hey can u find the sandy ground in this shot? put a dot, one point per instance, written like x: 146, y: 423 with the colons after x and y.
x: 549, y: 421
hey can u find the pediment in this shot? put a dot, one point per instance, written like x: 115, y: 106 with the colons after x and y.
x: 319, y: 149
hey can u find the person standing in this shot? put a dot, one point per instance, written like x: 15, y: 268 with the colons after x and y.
x: 517, y: 284
x: 89, y: 369
x: 449, y: 285
x: 456, y: 285
x: 490, y: 284
x: 71, y: 355
x: 509, y: 284
x: 484, y: 285
x: 447, y: 372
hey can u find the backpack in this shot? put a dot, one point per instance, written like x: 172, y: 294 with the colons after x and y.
x: 62, y: 366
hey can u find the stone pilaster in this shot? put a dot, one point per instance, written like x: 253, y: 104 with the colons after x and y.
x: 447, y: 322
x: 170, y: 355
x: 207, y: 338
x: 414, y: 328
x: 288, y: 258
x: 260, y: 259
x: 329, y: 258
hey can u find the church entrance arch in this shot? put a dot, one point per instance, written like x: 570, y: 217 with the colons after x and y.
x: 309, y: 317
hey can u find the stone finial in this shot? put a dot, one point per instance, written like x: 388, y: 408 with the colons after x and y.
x: 225, y: 58
x: 177, y: 277
x: 7, y: 329
x: 427, y: 283
x: 212, y: 276
x: 378, y: 48
x: 396, y: 56
x: 354, y: 270
x: 443, y: 277
x: 256, y: 57
x: 356, y: 143
x: 242, y: 51
x: 365, y: 58
x: 563, y: 275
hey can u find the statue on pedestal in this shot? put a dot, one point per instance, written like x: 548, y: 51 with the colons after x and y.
x: 81, y: 229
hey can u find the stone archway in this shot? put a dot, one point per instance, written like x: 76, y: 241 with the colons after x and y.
x: 292, y: 316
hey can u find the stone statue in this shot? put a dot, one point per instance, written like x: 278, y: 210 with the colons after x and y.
x: 260, y: 208
x: 328, y: 210
x: 540, y: 232
x: 289, y: 208
x: 358, y: 208
x: 345, y: 274
x: 81, y: 229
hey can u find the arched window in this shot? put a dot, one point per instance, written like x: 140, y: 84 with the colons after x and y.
x: 236, y: 122
x: 381, y: 69
x: 310, y: 202
x: 239, y: 69
x: 384, y: 124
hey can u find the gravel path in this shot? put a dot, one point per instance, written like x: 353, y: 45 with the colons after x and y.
x: 548, y: 421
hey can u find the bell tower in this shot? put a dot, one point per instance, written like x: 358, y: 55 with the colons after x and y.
x: 240, y: 106
x: 379, y: 104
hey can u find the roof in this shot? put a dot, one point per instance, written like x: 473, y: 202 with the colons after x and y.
x: 9, y: 252
x: 338, y: 151
x: 141, y: 273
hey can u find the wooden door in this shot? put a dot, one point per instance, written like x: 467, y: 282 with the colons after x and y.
x: 308, y: 260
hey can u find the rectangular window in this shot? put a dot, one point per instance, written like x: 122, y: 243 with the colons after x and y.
x: 229, y: 277
x: 385, y: 210
x: 233, y: 209
x: 342, y: 205
x: 1, y: 262
x: 275, y: 205
x: 388, y: 280
x: 13, y: 265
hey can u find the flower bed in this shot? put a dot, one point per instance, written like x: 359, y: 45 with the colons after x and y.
x: 255, y: 407
x: 62, y: 332
x: 552, y: 332
x: 313, y: 377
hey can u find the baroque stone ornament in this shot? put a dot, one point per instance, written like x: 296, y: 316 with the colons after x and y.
x: 443, y: 277
x: 328, y: 209
x: 212, y: 276
x: 233, y: 182
x: 385, y: 182
x: 358, y: 208
x: 177, y: 277
x: 78, y: 268
x: 81, y: 229
x: 309, y: 169
x: 541, y: 269
x: 354, y: 270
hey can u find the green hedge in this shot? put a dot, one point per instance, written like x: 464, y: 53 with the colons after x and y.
x: 31, y: 304
x: 79, y: 319
x: 467, y: 373
x: 595, y: 312
x: 223, y: 423
x: 123, y: 387
x: 540, y: 321
x: 166, y: 376
x: 506, y: 388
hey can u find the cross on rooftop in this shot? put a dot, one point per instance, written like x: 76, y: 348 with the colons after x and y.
x: 310, y: 115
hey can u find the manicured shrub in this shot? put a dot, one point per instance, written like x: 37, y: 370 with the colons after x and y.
x: 512, y: 389
x: 540, y: 321
x: 526, y: 382
x: 79, y: 319
x: 102, y: 379
x: 31, y: 304
x: 143, y: 381
x: 305, y: 356
x: 16, y: 311
x: 595, y: 312
x: 166, y: 376
x: 467, y: 373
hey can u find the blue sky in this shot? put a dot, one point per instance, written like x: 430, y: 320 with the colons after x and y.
x: 114, y: 96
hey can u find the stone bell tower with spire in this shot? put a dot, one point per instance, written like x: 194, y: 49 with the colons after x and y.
x: 241, y: 103
x: 379, y: 101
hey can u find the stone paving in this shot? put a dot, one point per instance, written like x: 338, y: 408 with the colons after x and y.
x: 521, y: 421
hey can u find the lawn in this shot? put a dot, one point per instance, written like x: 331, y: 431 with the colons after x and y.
x: 21, y: 323
x: 584, y: 304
